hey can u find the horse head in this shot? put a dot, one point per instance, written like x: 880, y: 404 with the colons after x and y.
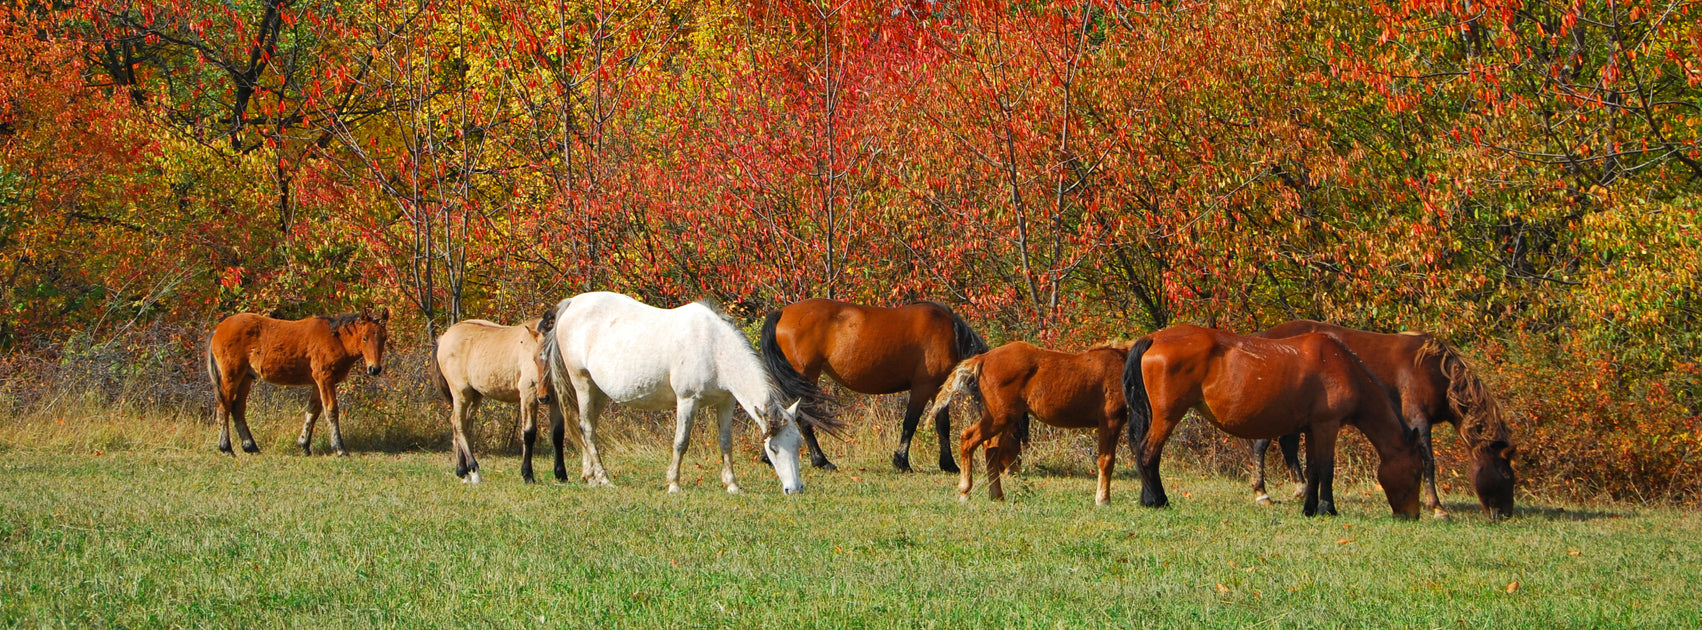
x: 781, y: 446
x: 1492, y: 477
x: 373, y: 334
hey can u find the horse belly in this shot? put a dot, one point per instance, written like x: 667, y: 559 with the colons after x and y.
x: 279, y: 369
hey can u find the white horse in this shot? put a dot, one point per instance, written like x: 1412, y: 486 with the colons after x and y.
x: 609, y: 347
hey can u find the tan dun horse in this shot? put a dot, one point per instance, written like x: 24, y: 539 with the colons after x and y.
x: 1012, y: 381
x: 1252, y: 387
x: 1430, y: 383
x: 317, y: 351
x: 477, y: 359
x: 869, y: 350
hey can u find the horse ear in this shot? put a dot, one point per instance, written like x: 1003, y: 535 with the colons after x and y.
x: 792, y: 411
x: 384, y: 315
x: 1502, y: 449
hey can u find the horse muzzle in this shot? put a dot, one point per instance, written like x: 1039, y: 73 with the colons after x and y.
x: 374, y: 370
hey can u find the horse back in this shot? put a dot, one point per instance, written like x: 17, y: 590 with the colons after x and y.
x: 1071, y: 390
x: 1399, y: 362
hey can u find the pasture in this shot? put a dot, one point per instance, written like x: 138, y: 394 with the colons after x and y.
x: 164, y: 532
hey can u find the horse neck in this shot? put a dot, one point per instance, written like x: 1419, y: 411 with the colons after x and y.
x: 340, y: 346
x: 743, y: 376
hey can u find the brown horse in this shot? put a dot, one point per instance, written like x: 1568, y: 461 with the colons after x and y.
x: 870, y: 350
x: 1431, y: 383
x: 317, y: 351
x: 1253, y: 387
x: 1072, y: 391
x: 477, y: 359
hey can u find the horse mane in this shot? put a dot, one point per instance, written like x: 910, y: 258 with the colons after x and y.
x: 1481, y: 419
x: 715, y: 307
x: 337, y: 322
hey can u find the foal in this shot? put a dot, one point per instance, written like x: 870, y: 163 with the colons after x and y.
x: 1072, y: 391
x: 317, y: 351
x: 477, y: 359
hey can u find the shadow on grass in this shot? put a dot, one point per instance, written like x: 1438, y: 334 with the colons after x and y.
x: 1558, y: 513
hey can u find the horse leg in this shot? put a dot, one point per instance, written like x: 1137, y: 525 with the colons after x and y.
x: 1321, y: 469
x: 725, y: 423
x: 333, y: 416
x: 912, y: 414
x: 231, y: 389
x: 1150, y: 451
x: 685, y: 409
x: 942, y: 430
x: 973, y: 436
x: 558, y: 435
x: 239, y: 413
x: 1432, y: 500
x: 1259, y: 449
x: 996, y: 454
x: 1290, y: 445
x: 591, y: 404
x: 460, y: 411
x: 528, y: 434
x: 1109, y: 431
x: 315, y: 407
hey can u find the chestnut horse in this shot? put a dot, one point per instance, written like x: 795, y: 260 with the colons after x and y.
x: 1253, y: 387
x: 477, y: 359
x: 1072, y: 391
x: 1431, y: 383
x: 869, y: 350
x: 317, y: 351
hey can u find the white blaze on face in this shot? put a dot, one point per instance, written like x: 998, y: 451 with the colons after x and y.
x: 782, y: 450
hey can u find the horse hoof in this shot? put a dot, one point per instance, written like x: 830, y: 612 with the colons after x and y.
x: 826, y: 465
x: 673, y: 488
x: 901, y: 462
x: 1263, y: 499
x: 342, y: 453
x: 962, y: 497
x: 733, y: 489
x: 1441, y: 515
x: 473, y: 477
x: 950, y: 467
x: 306, y: 452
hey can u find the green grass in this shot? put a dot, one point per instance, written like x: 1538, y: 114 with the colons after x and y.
x: 174, y: 537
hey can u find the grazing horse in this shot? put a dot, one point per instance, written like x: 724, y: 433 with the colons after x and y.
x: 869, y: 350
x: 317, y: 351
x: 1072, y: 391
x: 1432, y: 384
x: 477, y: 359
x: 1252, y: 387
x: 608, y: 347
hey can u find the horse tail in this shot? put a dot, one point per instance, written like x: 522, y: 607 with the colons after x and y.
x: 566, y: 398
x: 966, y: 343
x: 815, y: 403
x: 438, y: 382
x: 965, y: 379
x: 1134, y: 395
x: 1481, y: 420
x: 213, y: 370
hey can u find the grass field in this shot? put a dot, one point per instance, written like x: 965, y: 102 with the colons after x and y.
x: 176, y: 537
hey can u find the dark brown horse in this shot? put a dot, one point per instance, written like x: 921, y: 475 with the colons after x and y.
x: 1012, y: 381
x: 1253, y: 387
x: 317, y: 351
x: 1430, y: 383
x: 870, y: 350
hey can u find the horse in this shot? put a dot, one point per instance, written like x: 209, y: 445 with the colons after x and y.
x: 1252, y: 387
x: 869, y: 350
x: 1012, y: 381
x: 478, y: 359
x: 608, y: 347
x: 317, y: 351
x: 1432, y: 384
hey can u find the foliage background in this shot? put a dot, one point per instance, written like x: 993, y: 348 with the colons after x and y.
x: 1520, y: 177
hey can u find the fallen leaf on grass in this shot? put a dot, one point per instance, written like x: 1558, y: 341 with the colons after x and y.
x: 1574, y: 552
x: 1344, y: 541
x: 1512, y: 586
x: 1222, y: 589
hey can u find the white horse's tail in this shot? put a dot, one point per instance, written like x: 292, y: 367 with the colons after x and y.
x: 562, y: 388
